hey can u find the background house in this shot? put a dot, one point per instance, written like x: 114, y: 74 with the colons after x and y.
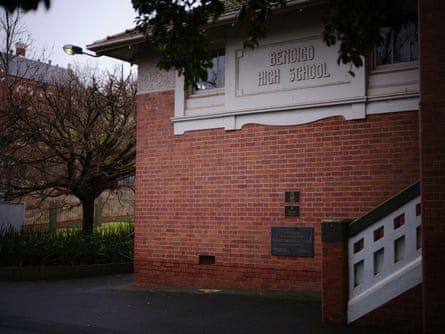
x: 234, y: 180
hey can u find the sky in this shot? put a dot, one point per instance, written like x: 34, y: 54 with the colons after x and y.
x: 78, y: 22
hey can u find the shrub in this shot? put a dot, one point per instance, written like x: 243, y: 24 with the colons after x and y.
x: 68, y: 246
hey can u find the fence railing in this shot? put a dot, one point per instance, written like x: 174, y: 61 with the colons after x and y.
x: 54, y: 215
x: 384, y: 253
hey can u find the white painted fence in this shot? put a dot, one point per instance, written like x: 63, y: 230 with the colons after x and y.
x: 385, y: 259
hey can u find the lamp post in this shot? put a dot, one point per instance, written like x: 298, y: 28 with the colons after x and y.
x: 72, y: 50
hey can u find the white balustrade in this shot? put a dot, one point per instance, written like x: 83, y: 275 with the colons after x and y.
x: 384, y: 260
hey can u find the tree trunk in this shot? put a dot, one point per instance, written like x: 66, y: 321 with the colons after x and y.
x: 88, y: 214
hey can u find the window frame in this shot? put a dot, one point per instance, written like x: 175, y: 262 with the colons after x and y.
x: 411, y: 19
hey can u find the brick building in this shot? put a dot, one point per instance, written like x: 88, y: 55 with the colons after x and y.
x: 236, y: 181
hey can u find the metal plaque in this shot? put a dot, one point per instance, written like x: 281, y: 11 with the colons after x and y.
x: 293, y: 241
x: 292, y: 196
x: 292, y: 211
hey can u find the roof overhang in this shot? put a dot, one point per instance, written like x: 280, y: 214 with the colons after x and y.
x: 124, y: 46
x: 127, y: 46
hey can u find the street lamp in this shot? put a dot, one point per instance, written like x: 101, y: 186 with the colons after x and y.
x: 76, y: 50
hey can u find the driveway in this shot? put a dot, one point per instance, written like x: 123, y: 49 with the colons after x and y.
x: 112, y: 304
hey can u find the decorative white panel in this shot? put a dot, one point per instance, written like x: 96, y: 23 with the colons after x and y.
x: 291, y: 73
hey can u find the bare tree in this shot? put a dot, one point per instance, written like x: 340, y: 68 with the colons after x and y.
x: 61, y: 132
x: 10, y: 33
x: 73, y: 135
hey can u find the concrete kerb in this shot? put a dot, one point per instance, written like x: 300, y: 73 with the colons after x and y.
x: 294, y: 295
x: 63, y: 272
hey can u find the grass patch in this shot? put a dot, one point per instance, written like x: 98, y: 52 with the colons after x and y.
x: 109, y: 243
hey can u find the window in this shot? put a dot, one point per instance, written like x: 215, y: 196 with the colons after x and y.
x: 398, y: 45
x: 215, y: 74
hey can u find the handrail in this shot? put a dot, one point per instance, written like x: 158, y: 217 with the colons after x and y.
x: 384, y: 209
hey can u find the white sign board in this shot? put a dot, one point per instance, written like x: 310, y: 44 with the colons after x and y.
x: 297, y: 72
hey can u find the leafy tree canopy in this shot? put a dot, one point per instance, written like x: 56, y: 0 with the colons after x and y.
x: 178, y: 28
x: 356, y: 24
x: 26, y: 5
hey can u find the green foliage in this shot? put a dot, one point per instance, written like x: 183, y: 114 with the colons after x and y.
x: 179, y: 34
x: 177, y: 28
x: 110, y: 243
x: 355, y: 26
x: 255, y: 15
x: 25, y: 5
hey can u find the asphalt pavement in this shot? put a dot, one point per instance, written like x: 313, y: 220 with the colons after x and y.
x: 112, y: 304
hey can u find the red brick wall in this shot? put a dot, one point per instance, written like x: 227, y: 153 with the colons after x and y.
x: 218, y: 193
x: 334, y: 282
x: 432, y: 124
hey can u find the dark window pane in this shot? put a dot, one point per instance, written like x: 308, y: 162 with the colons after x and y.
x: 414, y: 41
x: 384, y: 50
x: 402, y: 45
x: 398, y: 45
x: 215, y: 74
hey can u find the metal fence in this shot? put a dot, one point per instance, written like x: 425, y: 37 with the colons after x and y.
x: 56, y: 215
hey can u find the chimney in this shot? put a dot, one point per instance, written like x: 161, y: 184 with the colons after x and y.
x: 20, y: 49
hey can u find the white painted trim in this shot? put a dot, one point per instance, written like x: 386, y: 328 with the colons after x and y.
x: 350, y: 109
x: 203, y: 123
x: 388, y: 104
x: 298, y: 115
x: 179, y: 96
